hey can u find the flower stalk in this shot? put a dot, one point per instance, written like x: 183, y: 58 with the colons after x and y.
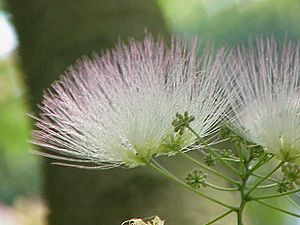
x: 176, y: 180
x: 246, y: 171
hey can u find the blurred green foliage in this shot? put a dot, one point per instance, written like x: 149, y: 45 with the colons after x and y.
x: 2, y: 5
x: 19, y: 174
x: 233, y: 21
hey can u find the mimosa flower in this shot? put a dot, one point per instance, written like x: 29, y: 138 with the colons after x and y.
x: 267, y: 106
x: 117, y: 109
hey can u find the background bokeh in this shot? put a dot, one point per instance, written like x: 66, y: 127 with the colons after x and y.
x: 40, y: 38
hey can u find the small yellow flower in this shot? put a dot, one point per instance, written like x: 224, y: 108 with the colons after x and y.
x: 155, y: 221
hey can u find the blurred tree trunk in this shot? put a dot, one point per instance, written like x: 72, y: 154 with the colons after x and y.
x: 53, y: 34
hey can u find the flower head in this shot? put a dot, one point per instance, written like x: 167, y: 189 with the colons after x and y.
x: 155, y: 221
x: 118, y: 108
x: 267, y: 106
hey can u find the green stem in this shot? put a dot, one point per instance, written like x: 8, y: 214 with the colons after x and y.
x: 209, y: 169
x: 267, y: 186
x: 224, y: 162
x: 261, y: 176
x: 176, y: 180
x: 276, y: 195
x: 220, y: 217
x: 232, y: 160
x: 243, y: 191
x: 261, y: 163
x: 242, y: 160
x: 220, y: 188
x: 276, y: 208
x: 240, y: 213
x: 264, y: 178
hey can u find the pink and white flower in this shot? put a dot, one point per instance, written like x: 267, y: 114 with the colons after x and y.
x: 116, y: 109
x: 267, y: 101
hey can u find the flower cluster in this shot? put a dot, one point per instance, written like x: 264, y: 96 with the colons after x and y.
x: 117, y: 109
